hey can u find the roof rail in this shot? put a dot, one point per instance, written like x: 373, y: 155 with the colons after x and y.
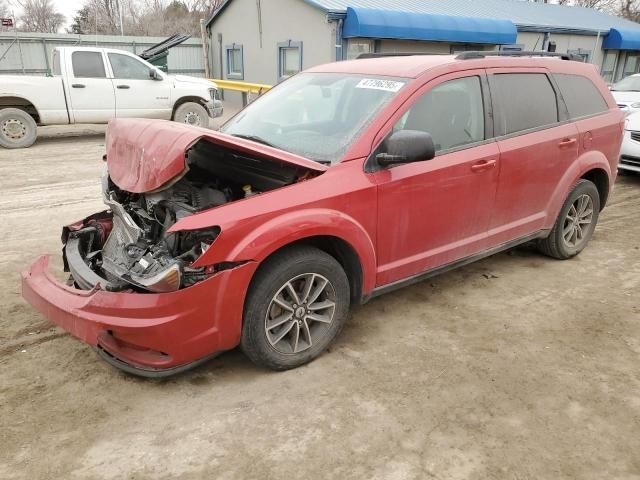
x: 482, y: 54
x: 394, y: 54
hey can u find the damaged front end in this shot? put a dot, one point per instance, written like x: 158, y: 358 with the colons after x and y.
x: 130, y: 246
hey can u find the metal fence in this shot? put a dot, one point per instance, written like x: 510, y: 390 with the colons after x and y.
x: 30, y: 53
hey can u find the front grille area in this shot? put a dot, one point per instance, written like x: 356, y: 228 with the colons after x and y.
x: 632, y: 161
x: 635, y: 136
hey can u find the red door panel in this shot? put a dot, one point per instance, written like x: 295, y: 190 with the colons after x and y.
x: 434, y: 212
x: 531, y: 167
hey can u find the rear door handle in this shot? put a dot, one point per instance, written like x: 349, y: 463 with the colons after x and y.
x: 483, y: 165
x: 123, y: 86
x: 78, y: 85
x: 567, y: 142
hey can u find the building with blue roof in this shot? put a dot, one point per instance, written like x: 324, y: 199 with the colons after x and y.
x: 265, y: 41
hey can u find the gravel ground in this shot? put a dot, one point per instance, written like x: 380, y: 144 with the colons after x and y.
x: 516, y: 367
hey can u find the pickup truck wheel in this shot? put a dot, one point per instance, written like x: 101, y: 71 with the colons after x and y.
x: 192, y: 113
x: 297, y: 304
x: 18, y: 129
x: 575, y: 223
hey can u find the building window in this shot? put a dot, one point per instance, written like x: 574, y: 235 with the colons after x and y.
x: 585, y: 55
x: 357, y: 47
x: 235, y: 61
x: 630, y: 64
x: 289, y: 59
x: 609, y: 66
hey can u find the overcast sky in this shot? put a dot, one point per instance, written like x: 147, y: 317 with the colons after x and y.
x: 66, y: 7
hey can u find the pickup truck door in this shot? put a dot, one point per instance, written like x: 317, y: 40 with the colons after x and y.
x: 90, y: 92
x: 137, y: 94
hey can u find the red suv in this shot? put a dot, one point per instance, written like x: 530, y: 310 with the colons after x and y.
x: 347, y: 181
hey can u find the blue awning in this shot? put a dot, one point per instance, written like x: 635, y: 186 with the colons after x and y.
x: 375, y: 23
x: 622, y: 40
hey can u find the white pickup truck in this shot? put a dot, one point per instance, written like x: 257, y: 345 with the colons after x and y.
x: 94, y: 85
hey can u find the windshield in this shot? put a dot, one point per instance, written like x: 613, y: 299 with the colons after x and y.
x: 315, y: 115
x: 628, y: 84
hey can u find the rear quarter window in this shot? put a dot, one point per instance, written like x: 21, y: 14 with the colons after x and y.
x: 525, y: 101
x: 582, y: 97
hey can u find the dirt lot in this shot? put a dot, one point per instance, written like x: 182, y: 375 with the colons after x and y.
x: 532, y: 373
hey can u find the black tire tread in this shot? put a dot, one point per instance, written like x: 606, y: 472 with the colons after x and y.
x: 283, y: 261
x: 551, y: 245
x: 31, y: 135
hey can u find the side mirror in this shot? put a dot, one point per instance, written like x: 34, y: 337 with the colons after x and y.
x: 154, y: 75
x: 406, y: 146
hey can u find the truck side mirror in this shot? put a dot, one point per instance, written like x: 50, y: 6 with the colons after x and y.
x: 406, y: 146
x: 154, y: 75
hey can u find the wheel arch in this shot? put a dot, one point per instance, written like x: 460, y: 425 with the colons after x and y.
x: 600, y: 178
x: 14, y: 101
x: 186, y: 99
x: 339, y: 249
x: 592, y: 166
x: 331, y: 231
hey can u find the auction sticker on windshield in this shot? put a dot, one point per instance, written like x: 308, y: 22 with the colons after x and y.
x: 378, y: 84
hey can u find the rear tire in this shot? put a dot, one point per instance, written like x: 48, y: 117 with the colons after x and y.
x: 297, y: 304
x: 575, y: 223
x: 192, y: 113
x: 18, y: 129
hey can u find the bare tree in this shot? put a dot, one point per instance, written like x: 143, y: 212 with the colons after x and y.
x: 630, y: 9
x: 40, y: 16
x: 597, y: 4
x: 143, y: 17
x: 4, y: 9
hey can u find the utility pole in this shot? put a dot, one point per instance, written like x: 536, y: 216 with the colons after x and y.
x: 205, y: 48
x: 120, y: 14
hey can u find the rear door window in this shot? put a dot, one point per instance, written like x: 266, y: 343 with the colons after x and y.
x: 88, y: 65
x: 581, y: 95
x: 525, y: 101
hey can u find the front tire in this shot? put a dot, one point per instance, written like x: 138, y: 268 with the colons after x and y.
x: 575, y: 223
x: 192, y: 113
x: 296, y: 305
x: 18, y: 129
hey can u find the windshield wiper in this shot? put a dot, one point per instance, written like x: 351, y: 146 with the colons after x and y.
x: 254, y: 138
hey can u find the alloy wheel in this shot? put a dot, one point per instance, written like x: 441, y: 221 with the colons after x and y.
x: 578, y: 221
x: 300, y: 313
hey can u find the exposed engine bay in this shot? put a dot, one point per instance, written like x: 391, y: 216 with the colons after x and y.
x: 128, y: 247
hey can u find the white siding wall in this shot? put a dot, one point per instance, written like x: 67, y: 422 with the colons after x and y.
x: 282, y: 20
x: 398, y: 46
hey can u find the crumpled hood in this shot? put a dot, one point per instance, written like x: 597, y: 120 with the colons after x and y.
x: 145, y: 155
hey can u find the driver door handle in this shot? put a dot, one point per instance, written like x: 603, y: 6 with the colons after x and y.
x: 483, y: 165
x: 123, y: 86
x: 78, y: 85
